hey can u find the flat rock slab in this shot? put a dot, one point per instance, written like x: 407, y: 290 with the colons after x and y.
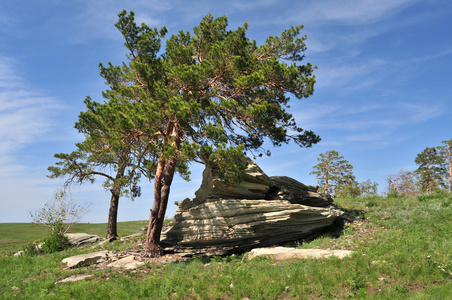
x: 283, y: 253
x: 86, y: 259
x: 127, y: 263
x: 73, y: 278
x: 79, y: 239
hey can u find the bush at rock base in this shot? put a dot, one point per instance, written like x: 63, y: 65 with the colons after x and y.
x: 56, y: 241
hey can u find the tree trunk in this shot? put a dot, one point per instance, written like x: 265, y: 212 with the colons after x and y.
x: 450, y: 167
x: 166, y: 168
x: 162, y: 184
x: 112, y: 232
x: 326, y: 177
x: 393, y: 184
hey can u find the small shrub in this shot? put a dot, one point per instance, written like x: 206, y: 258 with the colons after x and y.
x: 56, y: 241
x: 58, y: 211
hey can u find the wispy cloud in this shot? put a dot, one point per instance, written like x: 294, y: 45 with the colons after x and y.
x: 24, y: 113
x: 348, y: 75
x: 97, y: 18
x: 421, y: 113
x: 428, y: 57
x: 352, y: 11
x: 8, y: 78
x: 368, y: 122
x: 248, y: 5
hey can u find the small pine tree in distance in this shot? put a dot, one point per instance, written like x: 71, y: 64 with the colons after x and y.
x: 334, y: 173
x: 430, y: 169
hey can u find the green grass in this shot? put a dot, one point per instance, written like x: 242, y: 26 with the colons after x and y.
x: 403, y: 250
x: 124, y: 228
x: 14, y: 236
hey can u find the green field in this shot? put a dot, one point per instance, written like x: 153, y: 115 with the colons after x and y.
x: 14, y: 236
x: 402, y: 250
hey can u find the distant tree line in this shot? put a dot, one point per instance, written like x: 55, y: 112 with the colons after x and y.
x: 433, y: 174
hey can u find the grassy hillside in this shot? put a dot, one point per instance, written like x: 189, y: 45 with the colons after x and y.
x: 14, y: 236
x: 403, y: 250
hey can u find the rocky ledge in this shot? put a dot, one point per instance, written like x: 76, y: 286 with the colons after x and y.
x: 260, y: 211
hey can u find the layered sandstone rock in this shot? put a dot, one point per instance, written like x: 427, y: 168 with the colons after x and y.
x: 260, y: 211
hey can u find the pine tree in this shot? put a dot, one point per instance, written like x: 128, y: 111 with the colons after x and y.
x: 445, y: 152
x: 335, y: 173
x: 431, y: 170
x: 208, y: 97
x: 108, y: 151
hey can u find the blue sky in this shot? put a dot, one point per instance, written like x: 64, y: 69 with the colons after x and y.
x: 383, y: 92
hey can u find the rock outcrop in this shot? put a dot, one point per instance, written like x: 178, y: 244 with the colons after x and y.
x: 114, y: 259
x: 284, y: 253
x: 260, y: 211
x: 86, y: 259
x: 127, y: 263
x: 81, y: 239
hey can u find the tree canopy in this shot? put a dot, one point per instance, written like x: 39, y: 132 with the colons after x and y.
x: 212, y: 91
x: 208, y: 97
x: 430, y: 169
x: 110, y: 151
x: 333, y: 172
x: 446, y: 153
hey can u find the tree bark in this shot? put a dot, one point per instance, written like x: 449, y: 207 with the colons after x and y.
x: 113, y: 216
x: 112, y: 232
x: 428, y: 178
x: 393, y: 184
x: 162, y: 183
x: 450, y: 167
x: 326, y: 177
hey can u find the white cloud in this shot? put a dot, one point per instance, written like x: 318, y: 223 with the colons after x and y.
x: 24, y: 113
x: 348, y: 75
x: 428, y: 57
x: 421, y: 113
x: 251, y: 5
x: 353, y: 11
x: 366, y: 122
x: 98, y: 17
x: 8, y: 79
